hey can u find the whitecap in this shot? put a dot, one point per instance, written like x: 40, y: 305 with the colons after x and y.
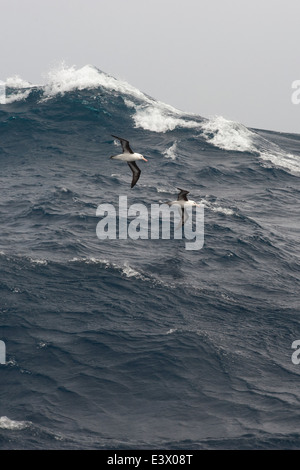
x: 215, y: 207
x: 171, y: 151
x: 38, y: 261
x: 280, y: 159
x: 233, y: 136
x: 164, y: 190
x: 228, y: 135
x: 150, y: 114
x: 156, y: 116
x: 130, y: 272
x: 6, y: 423
x: 171, y: 330
x: 156, y: 119
x: 63, y: 78
x: 17, y: 82
x: 22, y: 90
x: 19, y: 96
x: 91, y: 260
x: 125, y: 269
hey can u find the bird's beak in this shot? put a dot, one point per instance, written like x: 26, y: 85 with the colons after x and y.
x: 145, y: 159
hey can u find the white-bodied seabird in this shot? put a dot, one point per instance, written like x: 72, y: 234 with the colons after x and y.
x: 130, y: 157
x: 182, y: 202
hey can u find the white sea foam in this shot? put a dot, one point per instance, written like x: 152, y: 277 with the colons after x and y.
x: 149, y: 114
x: 215, y: 207
x: 228, y: 135
x: 6, y: 423
x: 12, y: 97
x: 39, y: 261
x: 164, y: 190
x: 16, y: 97
x: 63, y: 79
x: 171, y: 152
x: 157, y: 118
x: 17, y: 83
x: 283, y: 160
x: 124, y: 269
x: 233, y: 136
x: 171, y: 330
x: 91, y: 261
x: 130, y: 272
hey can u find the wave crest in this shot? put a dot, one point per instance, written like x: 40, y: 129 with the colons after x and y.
x: 232, y: 136
x: 228, y: 135
x: 6, y: 423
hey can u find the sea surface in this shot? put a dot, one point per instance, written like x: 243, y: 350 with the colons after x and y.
x: 142, y: 343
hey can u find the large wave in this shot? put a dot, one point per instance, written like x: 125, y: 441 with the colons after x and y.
x: 150, y: 114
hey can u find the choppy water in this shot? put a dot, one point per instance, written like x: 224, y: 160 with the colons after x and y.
x: 119, y: 344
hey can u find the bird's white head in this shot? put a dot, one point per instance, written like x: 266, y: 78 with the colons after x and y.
x: 141, y: 157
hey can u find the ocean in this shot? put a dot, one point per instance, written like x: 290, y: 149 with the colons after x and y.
x: 142, y: 343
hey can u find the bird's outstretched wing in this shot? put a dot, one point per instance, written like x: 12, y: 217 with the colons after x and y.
x: 135, y: 172
x: 125, y: 144
x: 182, y: 195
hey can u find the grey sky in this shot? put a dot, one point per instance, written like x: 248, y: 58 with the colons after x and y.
x: 235, y: 58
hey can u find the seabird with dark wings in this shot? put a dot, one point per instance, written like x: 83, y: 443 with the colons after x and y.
x: 182, y: 202
x: 130, y: 157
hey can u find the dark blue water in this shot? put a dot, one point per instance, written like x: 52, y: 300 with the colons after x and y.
x: 131, y: 344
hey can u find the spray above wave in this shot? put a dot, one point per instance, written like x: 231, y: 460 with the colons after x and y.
x: 149, y: 114
x: 65, y: 79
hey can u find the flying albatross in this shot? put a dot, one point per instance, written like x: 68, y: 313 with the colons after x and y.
x: 183, y: 202
x: 130, y: 157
